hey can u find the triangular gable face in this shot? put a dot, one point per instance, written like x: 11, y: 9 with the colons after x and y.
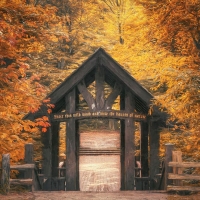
x: 92, y: 91
x: 101, y: 70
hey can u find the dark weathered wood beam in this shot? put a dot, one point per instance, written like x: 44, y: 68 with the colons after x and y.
x: 129, y: 100
x: 122, y: 157
x: 114, y: 114
x: 168, y: 158
x: 154, y: 142
x: 129, y: 151
x: 112, y: 96
x: 110, y: 79
x: 121, y: 74
x: 122, y: 100
x: 55, y: 148
x: 28, y: 159
x: 87, y: 96
x: 71, y: 81
x: 90, y: 78
x: 47, y: 153
x: 99, y: 77
x: 5, y: 176
x: 70, y: 101
x: 71, y: 145
x: 122, y: 123
x: 144, y: 148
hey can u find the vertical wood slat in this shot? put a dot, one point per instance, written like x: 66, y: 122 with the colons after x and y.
x: 28, y: 156
x: 154, y: 138
x: 168, y: 158
x: 46, y: 153
x: 144, y: 149
x: 36, y: 184
x: 28, y: 159
x: 99, y: 77
x: 177, y: 157
x: 5, y: 178
x: 122, y: 124
x: 31, y: 173
x: 129, y: 152
x: 71, y: 154
x: 55, y: 126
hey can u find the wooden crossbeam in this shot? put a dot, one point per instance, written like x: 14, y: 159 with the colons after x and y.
x: 87, y: 96
x: 21, y: 181
x: 183, y: 188
x: 183, y: 176
x: 112, y: 96
x: 63, y: 116
x: 184, y: 164
x: 22, y: 167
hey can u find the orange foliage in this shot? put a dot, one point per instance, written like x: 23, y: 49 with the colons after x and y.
x: 23, y: 29
x: 161, y: 49
x: 156, y: 41
x: 174, y: 33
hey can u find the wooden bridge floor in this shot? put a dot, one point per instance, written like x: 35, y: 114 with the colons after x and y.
x: 100, y: 173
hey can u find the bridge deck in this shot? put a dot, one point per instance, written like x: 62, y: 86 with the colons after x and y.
x: 99, y: 171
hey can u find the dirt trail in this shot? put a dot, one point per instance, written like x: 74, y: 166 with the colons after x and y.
x: 122, y: 195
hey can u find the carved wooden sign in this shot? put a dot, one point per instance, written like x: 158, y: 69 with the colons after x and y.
x: 101, y: 114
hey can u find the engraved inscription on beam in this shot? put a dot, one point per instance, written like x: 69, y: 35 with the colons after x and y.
x: 112, y: 114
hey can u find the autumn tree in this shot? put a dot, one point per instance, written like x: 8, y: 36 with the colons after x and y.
x: 174, y: 28
x: 114, y: 14
x: 23, y: 30
x: 43, y: 41
x: 162, y: 53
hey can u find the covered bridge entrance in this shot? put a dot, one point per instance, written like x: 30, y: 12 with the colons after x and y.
x: 102, y: 160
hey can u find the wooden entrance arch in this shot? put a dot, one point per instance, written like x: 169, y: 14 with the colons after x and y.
x: 134, y: 102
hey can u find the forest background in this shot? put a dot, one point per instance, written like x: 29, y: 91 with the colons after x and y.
x: 44, y: 41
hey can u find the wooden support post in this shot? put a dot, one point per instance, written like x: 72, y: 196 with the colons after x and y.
x: 55, y: 148
x: 46, y: 153
x: 41, y: 180
x: 28, y: 159
x: 122, y: 124
x: 28, y: 156
x: 5, y: 178
x: 154, y: 142
x: 129, y: 151
x: 177, y: 157
x: 99, y: 77
x: 144, y: 149
x: 168, y: 158
x: 122, y: 154
x: 72, y: 171
x: 129, y: 155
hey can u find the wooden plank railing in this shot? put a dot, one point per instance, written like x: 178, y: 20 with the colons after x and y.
x: 180, y: 177
x: 175, y: 176
x: 31, y: 176
x: 184, y: 164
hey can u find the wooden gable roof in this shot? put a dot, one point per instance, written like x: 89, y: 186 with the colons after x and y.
x: 113, y: 71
